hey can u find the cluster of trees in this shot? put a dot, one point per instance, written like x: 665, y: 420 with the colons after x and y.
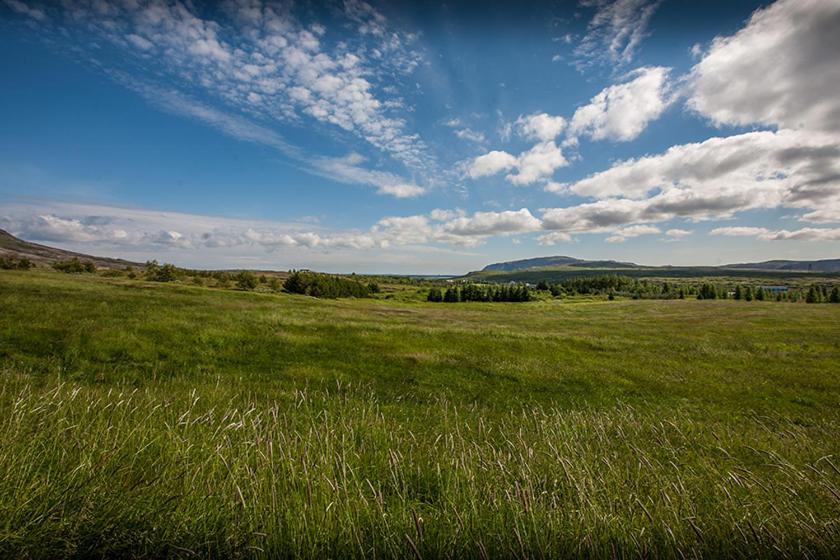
x: 326, y: 285
x: 74, y: 266
x: 477, y: 292
x: 162, y: 273
x: 613, y: 284
x: 11, y: 263
x: 821, y: 294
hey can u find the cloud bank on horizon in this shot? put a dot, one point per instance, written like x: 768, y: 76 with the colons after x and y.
x: 723, y: 148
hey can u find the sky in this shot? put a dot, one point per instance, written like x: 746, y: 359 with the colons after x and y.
x: 422, y: 137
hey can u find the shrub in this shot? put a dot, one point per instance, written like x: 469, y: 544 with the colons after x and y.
x: 246, y: 280
x: 20, y: 264
x: 324, y: 285
x: 435, y: 295
x: 74, y: 266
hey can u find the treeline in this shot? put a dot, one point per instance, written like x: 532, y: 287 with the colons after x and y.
x: 320, y: 285
x: 11, y: 263
x: 616, y: 285
x: 478, y: 292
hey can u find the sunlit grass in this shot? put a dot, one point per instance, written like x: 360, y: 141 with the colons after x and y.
x: 139, y: 419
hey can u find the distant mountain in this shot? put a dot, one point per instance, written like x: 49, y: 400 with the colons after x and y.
x: 542, y: 262
x: 825, y: 265
x: 11, y: 246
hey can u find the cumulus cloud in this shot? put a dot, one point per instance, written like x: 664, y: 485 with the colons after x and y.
x: 618, y: 112
x: 723, y: 175
x: 530, y: 166
x: 781, y: 69
x: 537, y: 163
x: 493, y: 223
x: 615, y: 31
x: 677, y: 233
x: 491, y: 163
x: 622, y: 111
x: 540, y: 126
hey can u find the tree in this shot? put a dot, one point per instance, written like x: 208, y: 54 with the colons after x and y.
x: 246, y: 280
x: 813, y: 296
x: 451, y: 295
x: 759, y: 294
x: 835, y: 295
x: 543, y: 286
x: 72, y: 266
x: 748, y: 294
x: 434, y: 295
x: 739, y: 294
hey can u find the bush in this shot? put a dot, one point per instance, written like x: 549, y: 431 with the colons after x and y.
x: 246, y: 280
x: 435, y: 295
x: 324, y: 285
x: 20, y: 264
x: 74, y: 266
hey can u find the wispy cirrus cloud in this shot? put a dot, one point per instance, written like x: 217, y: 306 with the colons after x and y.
x: 257, y: 59
x: 615, y: 31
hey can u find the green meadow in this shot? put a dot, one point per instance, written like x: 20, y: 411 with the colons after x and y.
x: 142, y: 419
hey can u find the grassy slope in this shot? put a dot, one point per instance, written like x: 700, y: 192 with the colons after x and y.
x: 167, y: 419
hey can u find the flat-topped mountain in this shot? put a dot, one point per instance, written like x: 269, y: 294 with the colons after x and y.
x: 541, y: 262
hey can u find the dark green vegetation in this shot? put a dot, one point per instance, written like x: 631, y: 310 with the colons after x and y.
x: 728, y: 275
x: 478, y: 292
x: 326, y: 285
x: 157, y: 419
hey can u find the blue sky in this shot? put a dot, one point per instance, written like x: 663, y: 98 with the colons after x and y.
x: 421, y: 137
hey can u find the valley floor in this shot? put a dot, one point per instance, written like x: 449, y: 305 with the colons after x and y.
x: 144, y: 419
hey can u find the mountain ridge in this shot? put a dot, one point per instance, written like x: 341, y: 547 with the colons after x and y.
x: 820, y: 265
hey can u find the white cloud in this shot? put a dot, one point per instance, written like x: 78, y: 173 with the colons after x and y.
x: 615, y: 31
x: 553, y: 238
x: 540, y: 126
x: 531, y: 166
x: 803, y: 234
x: 622, y: 111
x: 348, y: 170
x: 471, y: 135
x: 780, y: 69
x: 493, y: 223
x: 623, y: 234
x: 537, y: 163
x: 677, y: 233
x: 723, y: 175
x: 491, y: 163
x: 262, y: 61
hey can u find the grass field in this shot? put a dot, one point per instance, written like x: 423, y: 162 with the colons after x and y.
x: 143, y: 419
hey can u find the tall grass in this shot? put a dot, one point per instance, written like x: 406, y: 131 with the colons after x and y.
x: 168, y: 421
x: 333, y: 472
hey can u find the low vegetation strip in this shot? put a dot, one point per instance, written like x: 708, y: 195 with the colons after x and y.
x: 161, y: 419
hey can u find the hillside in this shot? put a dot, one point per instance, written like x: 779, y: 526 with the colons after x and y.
x: 542, y: 262
x: 11, y: 246
x: 557, y: 268
x: 825, y: 265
